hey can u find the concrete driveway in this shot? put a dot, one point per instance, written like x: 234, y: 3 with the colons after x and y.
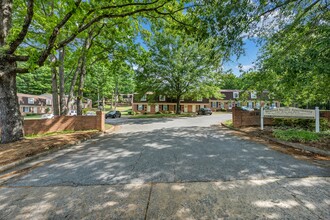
x: 183, y: 168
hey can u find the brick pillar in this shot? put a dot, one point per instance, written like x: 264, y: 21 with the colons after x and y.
x: 237, y: 117
x: 100, y: 121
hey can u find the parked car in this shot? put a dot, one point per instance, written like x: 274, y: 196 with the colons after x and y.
x: 204, y: 111
x: 90, y: 113
x: 47, y: 116
x: 113, y: 114
x: 73, y: 112
x: 245, y: 108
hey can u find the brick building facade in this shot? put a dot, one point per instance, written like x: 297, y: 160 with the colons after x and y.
x: 230, y: 98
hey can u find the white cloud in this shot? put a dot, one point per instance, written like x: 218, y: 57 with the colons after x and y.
x: 135, y: 66
x: 246, y: 67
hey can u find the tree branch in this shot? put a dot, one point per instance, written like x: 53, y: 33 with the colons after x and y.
x: 27, y: 21
x: 17, y: 70
x: 276, y: 7
x: 54, y: 34
x: 13, y: 58
x: 87, y: 25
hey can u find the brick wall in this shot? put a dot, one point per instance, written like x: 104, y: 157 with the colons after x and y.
x: 245, y: 118
x: 325, y: 114
x: 61, y: 123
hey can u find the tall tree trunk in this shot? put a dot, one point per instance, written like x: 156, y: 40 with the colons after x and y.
x: 80, y: 95
x: 71, y: 90
x: 63, y: 106
x: 11, y: 121
x: 113, y: 95
x: 116, y: 95
x: 87, y: 45
x: 103, y: 103
x: 54, y: 86
x: 178, y: 109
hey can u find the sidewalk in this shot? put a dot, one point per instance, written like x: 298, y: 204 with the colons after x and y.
x: 287, y: 198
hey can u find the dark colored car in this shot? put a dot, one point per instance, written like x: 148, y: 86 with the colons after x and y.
x: 113, y: 114
x: 204, y: 111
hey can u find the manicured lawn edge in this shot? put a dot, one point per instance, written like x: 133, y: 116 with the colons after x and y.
x: 285, y: 143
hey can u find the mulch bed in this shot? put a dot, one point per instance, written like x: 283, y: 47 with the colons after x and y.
x: 256, y: 135
x: 29, y: 147
x: 323, y: 143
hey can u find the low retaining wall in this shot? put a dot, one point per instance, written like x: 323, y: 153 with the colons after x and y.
x: 61, y: 123
x: 245, y: 118
x: 325, y: 114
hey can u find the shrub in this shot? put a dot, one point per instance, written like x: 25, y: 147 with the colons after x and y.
x: 306, y: 124
x: 296, y: 135
x: 145, y: 113
x: 130, y: 112
x: 85, y: 110
x: 31, y: 114
x: 158, y: 113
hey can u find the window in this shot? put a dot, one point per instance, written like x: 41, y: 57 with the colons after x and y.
x: 199, y: 99
x: 253, y: 95
x: 222, y: 105
x: 258, y: 105
x: 144, y: 98
x: 250, y: 104
x: 162, y: 98
x: 140, y: 107
x: 31, y: 100
x: 238, y: 104
x: 26, y: 109
x: 213, y: 104
x: 230, y: 105
x: 48, y: 102
x: 165, y: 107
x: 236, y: 95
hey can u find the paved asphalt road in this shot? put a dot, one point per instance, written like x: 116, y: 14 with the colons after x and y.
x: 184, y: 168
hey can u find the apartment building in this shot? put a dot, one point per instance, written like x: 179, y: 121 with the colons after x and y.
x: 33, y: 104
x: 230, y: 98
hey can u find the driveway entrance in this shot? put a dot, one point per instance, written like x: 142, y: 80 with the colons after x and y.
x: 182, y: 168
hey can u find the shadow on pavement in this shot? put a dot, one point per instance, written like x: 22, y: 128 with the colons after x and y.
x: 175, y: 173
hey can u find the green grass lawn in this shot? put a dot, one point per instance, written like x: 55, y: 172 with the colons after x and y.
x: 296, y: 135
x: 229, y: 123
x: 29, y: 117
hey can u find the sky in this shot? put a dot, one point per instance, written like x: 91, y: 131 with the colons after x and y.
x: 246, y: 60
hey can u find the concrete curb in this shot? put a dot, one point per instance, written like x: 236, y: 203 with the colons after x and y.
x: 34, y: 157
x: 288, y: 144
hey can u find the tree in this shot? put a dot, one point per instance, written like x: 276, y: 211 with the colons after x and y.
x: 38, y: 82
x: 177, y: 67
x: 230, y: 81
x: 295, y: 61
x: 32, y: 30
x: 48, y: 33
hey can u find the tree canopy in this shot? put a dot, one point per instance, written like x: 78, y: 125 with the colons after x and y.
x: 177, y: 66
